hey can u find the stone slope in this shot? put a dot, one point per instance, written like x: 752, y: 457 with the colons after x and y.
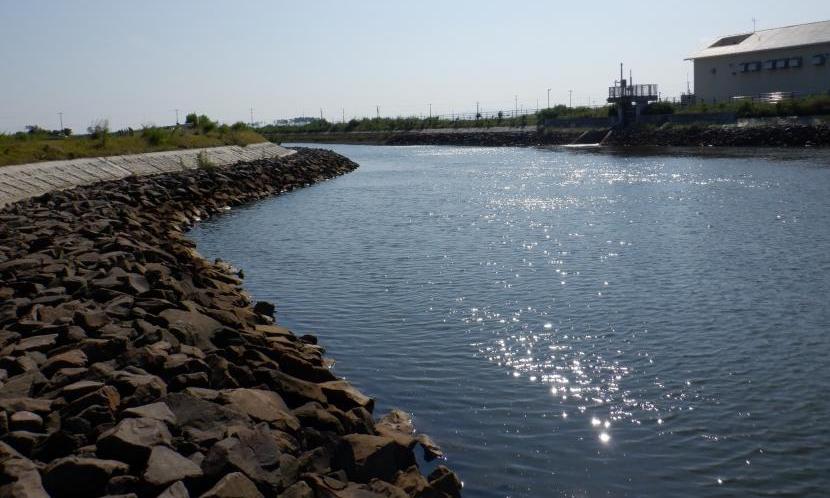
x: 22, y: 181
x: 131, y: 366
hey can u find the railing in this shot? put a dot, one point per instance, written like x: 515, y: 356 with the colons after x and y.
x: 649, y: 91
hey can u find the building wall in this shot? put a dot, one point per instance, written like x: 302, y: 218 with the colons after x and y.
x: 721, y: 78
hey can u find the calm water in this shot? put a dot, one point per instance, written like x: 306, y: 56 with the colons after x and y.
x: 570, y: 323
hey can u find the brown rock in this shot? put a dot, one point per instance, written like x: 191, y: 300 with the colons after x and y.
x: 139, y: 389
x: 40, y: 406
x: 133, y: 439
x: 295, y: 392
x: 192, y: 328
x: 234, y: 485
x: 176, y: 490
x: 259, y: 404
x: 81, y: 388
x: 91, y: 319
x: 411, y: 481
x: 314, y: 415
x: 76, y: 476
x: 70, y: 359
x: 106, y: 397
x: 298, y: 490
x: 230, y: 455
x: 36, y: 343
x: 165, y: 466
x: 156, y: 411
x: 364, y: 457
x: 445, y: 480
x: 20, y: 477
x: 345, y: 396
x: 25, y: 421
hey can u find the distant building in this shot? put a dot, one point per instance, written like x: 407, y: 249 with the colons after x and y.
x: 770, y: 64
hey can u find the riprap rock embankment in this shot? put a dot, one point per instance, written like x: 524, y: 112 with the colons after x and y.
x: 132, y: 366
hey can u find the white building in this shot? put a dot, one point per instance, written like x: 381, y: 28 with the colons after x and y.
x: 793, y: 60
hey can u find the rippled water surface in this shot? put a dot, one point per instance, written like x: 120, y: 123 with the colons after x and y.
x: 570, y: 323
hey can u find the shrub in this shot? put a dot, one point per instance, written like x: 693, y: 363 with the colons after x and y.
x: 99, y: 129
x: 659, y: 108
x: 202, y: 162
x: 153, y: 135
x: 205, y: 124
x: 191, y: 119
x: 239, y: 126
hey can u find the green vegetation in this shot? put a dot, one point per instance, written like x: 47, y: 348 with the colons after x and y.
x: 38, y: 144
x: 811, y: 106
x: 818, y: 105
x: 377, y: 125
x: 203, y: 162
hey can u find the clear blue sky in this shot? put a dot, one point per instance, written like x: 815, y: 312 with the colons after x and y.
x: 134, y: 62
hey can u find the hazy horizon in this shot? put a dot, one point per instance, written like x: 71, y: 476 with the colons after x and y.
x: 136, y: 63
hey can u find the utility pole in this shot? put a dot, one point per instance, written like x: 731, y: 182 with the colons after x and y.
x: 60, y: 116
x: 754, y: 24
x: 321, y: 114
x: 430, y: 111
x: 570, y: 98
x: 477, y: 111
x: 344, y: 114
x: 515, y: 105
x: 252, y: 116
x: 548, y: 98
x: 377, y: 110
x: 177, y: 116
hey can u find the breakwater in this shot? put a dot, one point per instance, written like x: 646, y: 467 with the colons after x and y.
x: 783, y: 135
x: 132, y: 366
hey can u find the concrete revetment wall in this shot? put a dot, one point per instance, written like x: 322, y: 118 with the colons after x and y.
x: 22, y: 181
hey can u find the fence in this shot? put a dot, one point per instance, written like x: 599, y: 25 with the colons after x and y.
x: 649, y: 90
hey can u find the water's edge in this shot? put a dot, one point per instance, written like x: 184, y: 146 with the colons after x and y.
x: 113, y: 318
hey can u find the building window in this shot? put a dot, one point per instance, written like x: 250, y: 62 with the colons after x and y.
x: 769, y: 65
x: 795, y: 61
x: 819, y: 60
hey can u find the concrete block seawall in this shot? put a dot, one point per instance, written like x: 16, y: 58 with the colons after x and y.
x: 28, y: 180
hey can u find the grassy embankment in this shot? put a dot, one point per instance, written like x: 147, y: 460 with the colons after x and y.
x: 38, y: 144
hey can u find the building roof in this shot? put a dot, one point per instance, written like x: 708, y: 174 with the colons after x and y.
x: 768, y: 39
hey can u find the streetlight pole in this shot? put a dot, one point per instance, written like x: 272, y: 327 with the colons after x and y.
x: 548, y: 98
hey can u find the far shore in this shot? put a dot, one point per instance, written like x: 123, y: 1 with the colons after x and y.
x: 775, y: 135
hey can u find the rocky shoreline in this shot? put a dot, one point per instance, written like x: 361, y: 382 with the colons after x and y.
x: 786, y: 135
x: 131, y: 366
